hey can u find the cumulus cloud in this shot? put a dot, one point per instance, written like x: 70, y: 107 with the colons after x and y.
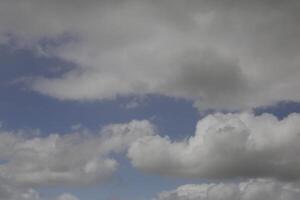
x: 70, y: 159
x: 259, y: 189
x: 226, y: 146
x: 221, y: 54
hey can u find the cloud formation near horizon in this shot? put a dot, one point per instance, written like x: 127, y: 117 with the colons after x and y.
x: 222, y: 55
x: 75, y: 159
x: 225, y: 146
x: 257, y: 189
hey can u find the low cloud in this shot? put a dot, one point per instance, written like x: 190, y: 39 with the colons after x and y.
x: 76, y: 159
x: 10, y: 191
x: 258, y: 189
x: 225, y: 146
x: 66, y: 196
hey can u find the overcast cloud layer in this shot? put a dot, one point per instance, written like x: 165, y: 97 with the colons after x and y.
x: 250, y: 190
x: 221, y: 54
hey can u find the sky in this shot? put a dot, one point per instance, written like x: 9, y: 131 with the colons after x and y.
x: 149, y: 100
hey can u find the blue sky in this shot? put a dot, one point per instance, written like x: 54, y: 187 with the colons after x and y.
x: 148, y: 100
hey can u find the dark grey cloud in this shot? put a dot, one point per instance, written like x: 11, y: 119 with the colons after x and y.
x: 160, y: 47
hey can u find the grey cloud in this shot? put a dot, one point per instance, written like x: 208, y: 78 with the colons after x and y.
x: 208, y: 77
x: 66, y: 197
x: 258, y: 189
x: 30, y: 160
x: 160, y: 47
x: 72, y: 159
x: 9, y: 191
x: 225, y: 146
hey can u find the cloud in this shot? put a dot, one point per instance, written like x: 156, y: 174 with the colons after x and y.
x: 232, y: 55
x: 71, y: 159
x: 258, y: 189
x: 31, y: 160
x: 225, y: 146
x: 67, y: 197
x: 11, y: 192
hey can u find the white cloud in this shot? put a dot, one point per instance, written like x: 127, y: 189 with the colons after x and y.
x: 251, y: 190
x: 30, y: 160
x: 237, y: 54
x: 226, y: 146
x: 71, y: 159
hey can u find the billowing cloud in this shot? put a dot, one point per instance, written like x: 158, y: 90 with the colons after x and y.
x: 70, y: 159
x: 250, y: 190
x: 232, y: 55
x: 226, y: 146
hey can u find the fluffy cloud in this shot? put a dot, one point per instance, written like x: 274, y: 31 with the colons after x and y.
x: 221, y: 54
x: 71, y: 159
x: 226, y: 146
x: 250, y: 190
